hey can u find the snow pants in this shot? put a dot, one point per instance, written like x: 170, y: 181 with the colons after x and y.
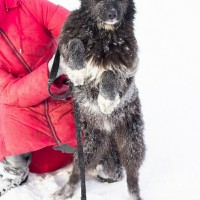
x: 18, y: 161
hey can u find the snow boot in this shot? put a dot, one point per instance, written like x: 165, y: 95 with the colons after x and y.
x: 14, y: 171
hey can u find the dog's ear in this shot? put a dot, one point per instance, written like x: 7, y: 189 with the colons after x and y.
x: 130, y: 14
x: 85, y: 2
x: 82, y: 1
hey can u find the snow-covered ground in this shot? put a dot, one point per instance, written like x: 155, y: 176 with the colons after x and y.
x: 168, y: 33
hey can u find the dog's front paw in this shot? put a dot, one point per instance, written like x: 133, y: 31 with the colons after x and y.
x: 66, y: 192
x: 77, y: 77
x: 108, y: 98
x: 107, y: 106
x: 76, y: 69
x: 76, y: 53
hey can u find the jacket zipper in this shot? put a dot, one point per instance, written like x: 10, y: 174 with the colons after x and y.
x: 26, y: 66
x: 20, y: 58
x: 50, y: 124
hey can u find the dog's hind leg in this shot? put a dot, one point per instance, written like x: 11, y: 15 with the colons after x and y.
x: 94, y: 142
x: 132, y: 151
x: 132, y: 160
x: 109, y: 169
x: 68, y: 189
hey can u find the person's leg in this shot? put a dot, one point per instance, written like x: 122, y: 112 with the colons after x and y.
x: 14, y: 171
x: 18, y: 161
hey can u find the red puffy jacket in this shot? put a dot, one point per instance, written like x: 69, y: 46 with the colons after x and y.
x: 29, y: 118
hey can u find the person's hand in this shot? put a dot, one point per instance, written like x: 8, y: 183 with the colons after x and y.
x: 62, y: 66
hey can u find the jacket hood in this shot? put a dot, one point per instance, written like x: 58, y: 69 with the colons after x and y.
x: 5, y: 5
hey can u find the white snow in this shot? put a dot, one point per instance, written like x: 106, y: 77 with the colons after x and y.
x: 168, y: 79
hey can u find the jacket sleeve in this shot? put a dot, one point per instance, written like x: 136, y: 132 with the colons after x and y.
x: 32, y: 89
x: 29, y: 90
x: 23, y: 91
x: 51, y: 16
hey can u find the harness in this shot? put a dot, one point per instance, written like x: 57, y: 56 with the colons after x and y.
x: 62, y: 147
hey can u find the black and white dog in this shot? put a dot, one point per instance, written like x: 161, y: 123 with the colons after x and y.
x: 98, y: 44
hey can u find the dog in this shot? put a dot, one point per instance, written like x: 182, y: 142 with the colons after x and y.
x: 98, y: 44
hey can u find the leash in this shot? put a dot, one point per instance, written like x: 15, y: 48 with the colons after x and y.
x: 52, y: 78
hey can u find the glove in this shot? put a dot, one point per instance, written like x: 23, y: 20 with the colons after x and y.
x: 62, y: 66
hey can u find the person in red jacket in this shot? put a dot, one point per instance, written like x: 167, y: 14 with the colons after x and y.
x: 30, y: 119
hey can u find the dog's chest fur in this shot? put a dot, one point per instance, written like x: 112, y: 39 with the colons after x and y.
x: 104, y: 48
x: 114, y: 50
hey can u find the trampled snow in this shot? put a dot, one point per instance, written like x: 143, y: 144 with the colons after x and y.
x: 168, y: 79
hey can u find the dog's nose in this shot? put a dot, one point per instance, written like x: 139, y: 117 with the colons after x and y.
x: 112, y: 14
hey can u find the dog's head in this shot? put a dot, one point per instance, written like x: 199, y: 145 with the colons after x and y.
x: 109, y: 13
